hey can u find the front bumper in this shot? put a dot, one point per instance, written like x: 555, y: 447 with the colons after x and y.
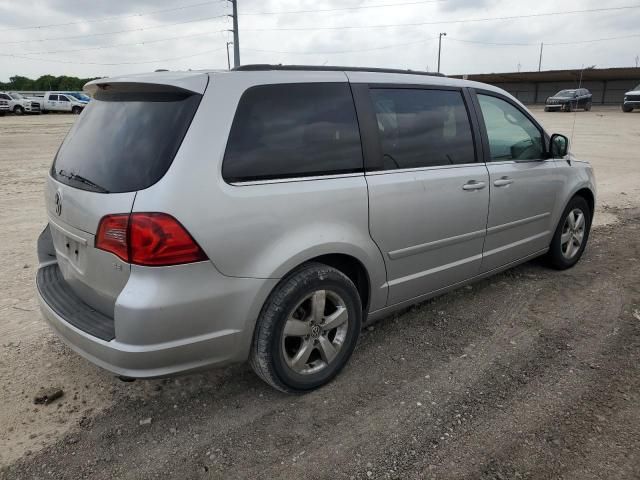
x: 554, y: 106
x: 166, y: 321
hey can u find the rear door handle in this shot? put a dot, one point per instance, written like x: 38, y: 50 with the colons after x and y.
x: 473, y: 185
x: 503, y: 182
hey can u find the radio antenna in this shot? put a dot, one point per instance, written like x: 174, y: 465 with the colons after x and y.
x: 575, y: 111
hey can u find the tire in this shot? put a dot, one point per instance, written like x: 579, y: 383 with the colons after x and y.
x: 18, y: 110
x: 563, y: 251
x: 547, y: 109
x: 295, y: 302
x: 76, y: 110
x: 627, y: 109
x: 587, y: 107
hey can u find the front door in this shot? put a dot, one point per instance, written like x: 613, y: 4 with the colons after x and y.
x: 524, y: 183
x: 428, y: 197
x: 64, y: 103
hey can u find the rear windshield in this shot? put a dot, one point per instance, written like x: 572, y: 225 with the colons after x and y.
x: 125, y: 141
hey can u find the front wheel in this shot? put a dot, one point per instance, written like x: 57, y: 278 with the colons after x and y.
x: 571, y: 235
x: 587, y: 107
x: 76, y: 110
x: 18, y: 110
x: 307, y: 330
x: 627, y: 108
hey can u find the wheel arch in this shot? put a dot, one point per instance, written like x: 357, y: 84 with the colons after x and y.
x: 588, y: 195
x: 349, y: 265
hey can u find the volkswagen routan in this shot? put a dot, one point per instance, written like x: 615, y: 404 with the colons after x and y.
x: 267, y: 213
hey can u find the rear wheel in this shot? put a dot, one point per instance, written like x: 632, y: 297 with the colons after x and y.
x: 18, y: 110
x: 571, y: 235
x: 307, y: 330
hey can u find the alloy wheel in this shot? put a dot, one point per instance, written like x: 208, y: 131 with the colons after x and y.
x: 573, y: 232
x: 315, y: 332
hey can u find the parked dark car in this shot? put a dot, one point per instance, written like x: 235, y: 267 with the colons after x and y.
x: 631, y: 99
x: 569, y: 100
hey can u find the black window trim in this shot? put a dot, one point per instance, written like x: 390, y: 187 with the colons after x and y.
x: 295, y: 177
x: 474, y: 92
x: 371, y: 141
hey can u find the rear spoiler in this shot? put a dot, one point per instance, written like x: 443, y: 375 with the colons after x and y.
x: 152, y: 82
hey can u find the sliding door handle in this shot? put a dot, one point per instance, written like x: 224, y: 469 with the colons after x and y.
x: 503, y: 182
x: 473, y: 185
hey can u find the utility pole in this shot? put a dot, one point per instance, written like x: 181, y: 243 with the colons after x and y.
x: 228, y: 61
x: 637, y: 60
x: 540, y: 61
x: 442, y: 34
x: 236, y: 35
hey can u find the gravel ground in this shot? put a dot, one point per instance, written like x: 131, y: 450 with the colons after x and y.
x: 530, y: 374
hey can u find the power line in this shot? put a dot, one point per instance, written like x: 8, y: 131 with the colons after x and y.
x: 114, y: 17
x: 342, y: 51
x: 139, y: 29
x: 131, y: 44
x: 443, y: 22
x: 287, y: 12
x: 75, y: 62
x: 573, y: 42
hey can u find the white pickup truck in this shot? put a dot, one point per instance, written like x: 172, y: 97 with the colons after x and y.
x: 73, y: 102
x: 19, y: 104
x: 4, y: 106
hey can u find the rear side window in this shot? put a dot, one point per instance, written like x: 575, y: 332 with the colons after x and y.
x: 125, y: 141
x: 293, y: 130
x: 53, y: 97
x: 422, y: 128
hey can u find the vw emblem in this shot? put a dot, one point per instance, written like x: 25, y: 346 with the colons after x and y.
x: 58, y: 202
x: 315, y: 331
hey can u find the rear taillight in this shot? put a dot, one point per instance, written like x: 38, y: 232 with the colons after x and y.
x: 151, y: 239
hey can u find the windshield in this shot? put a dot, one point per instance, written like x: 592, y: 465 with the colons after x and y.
x: 636, y: 88
x: 79, y: 96
x: 565, y: 93
x: 16, y: 96
x: 125, y: 141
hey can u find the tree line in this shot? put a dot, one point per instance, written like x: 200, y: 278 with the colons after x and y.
x: 45, y: 82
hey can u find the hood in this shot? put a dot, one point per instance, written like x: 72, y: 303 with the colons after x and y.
x: 633, y: 92
x: 561, y: 99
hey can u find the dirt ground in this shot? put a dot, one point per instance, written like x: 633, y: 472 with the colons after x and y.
x: 530, y: 374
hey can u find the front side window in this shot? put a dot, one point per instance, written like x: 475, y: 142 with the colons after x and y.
x: 422, y: 128
x: 512, y: 136
x: 62, y: 98
x: 293, y: 130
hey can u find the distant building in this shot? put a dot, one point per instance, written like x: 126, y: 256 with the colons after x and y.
x: 608, y: 85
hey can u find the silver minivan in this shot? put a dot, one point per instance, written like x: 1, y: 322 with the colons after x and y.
x: 267, y: 213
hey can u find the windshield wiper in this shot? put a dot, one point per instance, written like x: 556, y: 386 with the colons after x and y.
x: 81, y: 179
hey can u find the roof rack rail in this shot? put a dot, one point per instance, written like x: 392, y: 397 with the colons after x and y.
x: 329, y: 68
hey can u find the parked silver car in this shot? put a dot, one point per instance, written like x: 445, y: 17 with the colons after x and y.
x: 267, y: 213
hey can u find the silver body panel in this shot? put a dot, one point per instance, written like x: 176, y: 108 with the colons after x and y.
x: 430, y: 229
x: 417, y: 232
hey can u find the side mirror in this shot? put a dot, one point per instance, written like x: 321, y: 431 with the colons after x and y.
x: 558, y: 146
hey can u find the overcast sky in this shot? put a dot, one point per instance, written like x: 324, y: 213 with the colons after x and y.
x: 189, y: 37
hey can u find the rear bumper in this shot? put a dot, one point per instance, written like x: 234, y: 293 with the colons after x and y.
x: 166, y: 321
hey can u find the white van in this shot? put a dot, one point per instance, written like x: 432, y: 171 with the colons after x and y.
x: 64, y: 102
